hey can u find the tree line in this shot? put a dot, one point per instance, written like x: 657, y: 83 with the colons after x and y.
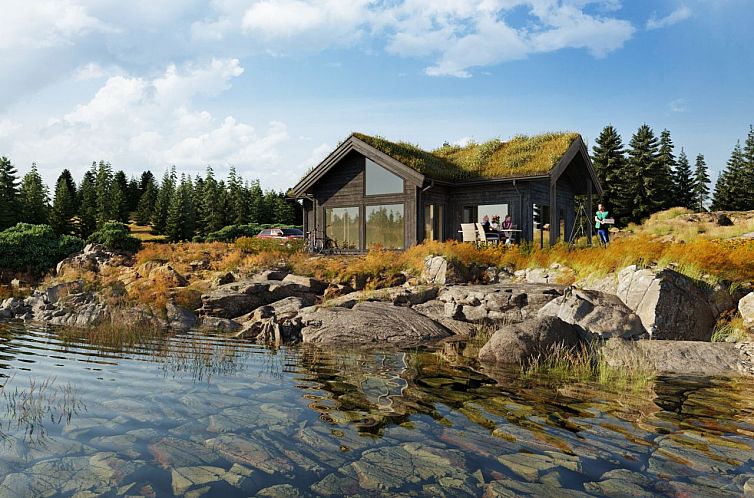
x: 647, y: 176
x: 181, y: 208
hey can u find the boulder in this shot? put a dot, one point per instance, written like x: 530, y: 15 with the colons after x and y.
x: 227, y: 278
x: 369, y: 323
x: 312, y: 285
x: 399, y: 296
x: 215, y: 324
x: 273, y: 274
x: 435, y: 310
x: 603, y: 315
x: 440, y: 271
x: 671, y: 305
x: 179, y: 318
x: 746, y: 308
x: 722, y: 219
x: 167, y: 274
x: 93, y: 258
x: 512, y: 302
x: 277, y: 322
x: 239, y: 298
x: 681, y: 357
x: 519, y: 343
x: 55, y: 293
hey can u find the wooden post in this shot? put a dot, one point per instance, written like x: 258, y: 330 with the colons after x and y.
x: 554, y: 222
x: 589, y: 208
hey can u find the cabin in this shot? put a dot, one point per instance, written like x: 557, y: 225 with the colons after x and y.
x: 370, y: 191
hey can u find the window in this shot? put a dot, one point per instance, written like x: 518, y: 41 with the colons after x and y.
x: 384, y: 226
x: 381, y: 181
x: 491, y: 210
x: 343, y: 226
x: 434, y: 218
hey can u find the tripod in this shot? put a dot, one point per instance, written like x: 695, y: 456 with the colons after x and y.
x: 579, y: 224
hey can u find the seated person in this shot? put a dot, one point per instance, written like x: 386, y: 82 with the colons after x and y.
x: 486, y: 223
x: 507, y: 224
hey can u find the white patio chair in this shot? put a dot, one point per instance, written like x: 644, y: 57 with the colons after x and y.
x: 485, y: 237
x: 468, y: 231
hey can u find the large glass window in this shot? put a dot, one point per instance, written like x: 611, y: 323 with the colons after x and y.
x: 381, y: 181
x: 343, y: 226
x: 384, y: 226
x: 491, y: 211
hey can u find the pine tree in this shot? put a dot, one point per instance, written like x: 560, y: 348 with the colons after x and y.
x: 256, y: 201
x: 701, y: 184
x: 683, y: 183
x: 35, y: 198
x: 64, y: 204
x: 164, y: 198
x: 730, y: 189
x: 284, y: 213
x: 145, y: 209
x: 643, y: 158
x: 749, y: 168
x: 666, y: 165
x: 102, y: 187
x: 87, y: 200
x: 9, y: 196
x: 211, y: 204
x: 133, y: 194
x: 119, y: 209
x: 181, y: 215
x: 610, y: 163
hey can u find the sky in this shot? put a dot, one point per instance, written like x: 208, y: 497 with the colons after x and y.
x: 272, y: 86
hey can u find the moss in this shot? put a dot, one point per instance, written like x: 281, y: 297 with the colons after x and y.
x: 520, y: 156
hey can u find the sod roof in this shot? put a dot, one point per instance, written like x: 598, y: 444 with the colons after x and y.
x: 520, y: 156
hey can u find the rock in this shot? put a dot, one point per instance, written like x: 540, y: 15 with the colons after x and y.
x: 722, y: 219
x: 167, y: 275
x: 372, y: 323
x: 215, y: 324
x: 273, y: 274
x: 313, y: 285
x: 520, y: 343
x: 336, y: 290
x: 670, y: 305
x: 439, y: 271
x: 174, y: 452
x: 399, y: 296
x: 199, y: 264
x: 746, y: 308
x: 179, y: 318
x: 680, y: 357
x: 435, y: 310
x: 509, y: 303
x: 239, y: 298
x: 93, y: 258
x: 56, y: 292
x: 600, y: 314
x: 227, y: 278
x: 276, y: 322
x: 187, y: 478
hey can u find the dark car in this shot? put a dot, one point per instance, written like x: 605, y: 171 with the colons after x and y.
x: 282, y: 234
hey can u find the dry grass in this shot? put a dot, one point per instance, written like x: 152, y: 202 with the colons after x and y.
x: 684, y: 225
x: 520, y: 156
x: 144, y: 233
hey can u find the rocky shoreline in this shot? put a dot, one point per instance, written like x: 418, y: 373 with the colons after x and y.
x: 527, y: 310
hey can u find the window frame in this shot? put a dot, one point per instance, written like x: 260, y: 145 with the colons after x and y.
x: 401, y: 192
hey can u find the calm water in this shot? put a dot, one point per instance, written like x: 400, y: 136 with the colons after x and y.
x: 198, y: 415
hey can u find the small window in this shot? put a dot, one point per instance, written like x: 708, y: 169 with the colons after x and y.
x: 381, y: 181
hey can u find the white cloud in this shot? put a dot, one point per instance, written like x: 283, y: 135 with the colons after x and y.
x: 138, y: 123
x: 678, y: 105
x: 680, y: 14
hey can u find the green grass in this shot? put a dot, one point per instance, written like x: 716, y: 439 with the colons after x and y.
x: 521, y: 156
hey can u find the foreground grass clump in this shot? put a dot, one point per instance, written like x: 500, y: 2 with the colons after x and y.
x: 586, y: 364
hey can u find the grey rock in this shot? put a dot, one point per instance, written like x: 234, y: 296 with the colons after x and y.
x: 312, y: 284
x: 439, y: 271
x: 519, y: 343
x: 227, y: 278
x: 399, y: 296
x: 93, y: 258
x: 746, y: 308
x: 670, y: 305
x: 239, y: 298
x: 371, y: 323
x: 216, y: 324
x: 277, y: 322
x: 56, y: 292
x: 273, y: 274
x: 600, y: 314
x: 680, y: 357
x: 185, y: 479
x: 435, y: 310
x: 179, y: 318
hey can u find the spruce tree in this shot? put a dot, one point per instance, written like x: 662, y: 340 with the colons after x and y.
x: 749, y: 168
x: 701, y: 183
x: 284, y: 212
x: 648, y: 177
x: 181, y: 215
x: 683, y: 182
x: 64, y: 204
x: 9, y: 197
x: 119, y: 198
x: 730, y: 189
x: 211, y: 204
x: 609, y: 160
x: 87, y: 201
x: 145, y: 209
x: 666, y: 165
x: 35, y: 198
x: 133, y: 194
x: 102, y: 186
x: 164, y: 198
x: 256, y: 202
x: 238, y: 206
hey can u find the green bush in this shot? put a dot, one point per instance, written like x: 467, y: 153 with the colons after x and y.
x: 232, y: 232
x: 35, y: 248
x: 116, y: 237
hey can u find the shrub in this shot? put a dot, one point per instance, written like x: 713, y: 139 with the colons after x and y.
x: 115, y: 236
x: 232, y: 232
x: 35, y: 248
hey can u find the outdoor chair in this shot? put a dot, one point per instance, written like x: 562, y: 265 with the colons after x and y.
x: 468, y: 231
x: 485, y: 237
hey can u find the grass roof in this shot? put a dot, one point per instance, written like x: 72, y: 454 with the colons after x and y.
x: 521, y: 156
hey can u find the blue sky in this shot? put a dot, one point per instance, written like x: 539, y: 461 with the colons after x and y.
x: 271, y: 86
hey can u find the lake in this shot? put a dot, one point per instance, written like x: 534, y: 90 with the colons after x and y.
x: 199, y: 415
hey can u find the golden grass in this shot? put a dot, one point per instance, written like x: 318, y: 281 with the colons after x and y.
x: 683, y: 225
x: 144, y: 233
x: 520, y: 156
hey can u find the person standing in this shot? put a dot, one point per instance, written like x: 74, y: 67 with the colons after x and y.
x: 599, y: 223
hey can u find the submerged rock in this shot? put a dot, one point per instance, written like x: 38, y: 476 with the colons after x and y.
x: 372, y: 323
x: 519, y: 343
